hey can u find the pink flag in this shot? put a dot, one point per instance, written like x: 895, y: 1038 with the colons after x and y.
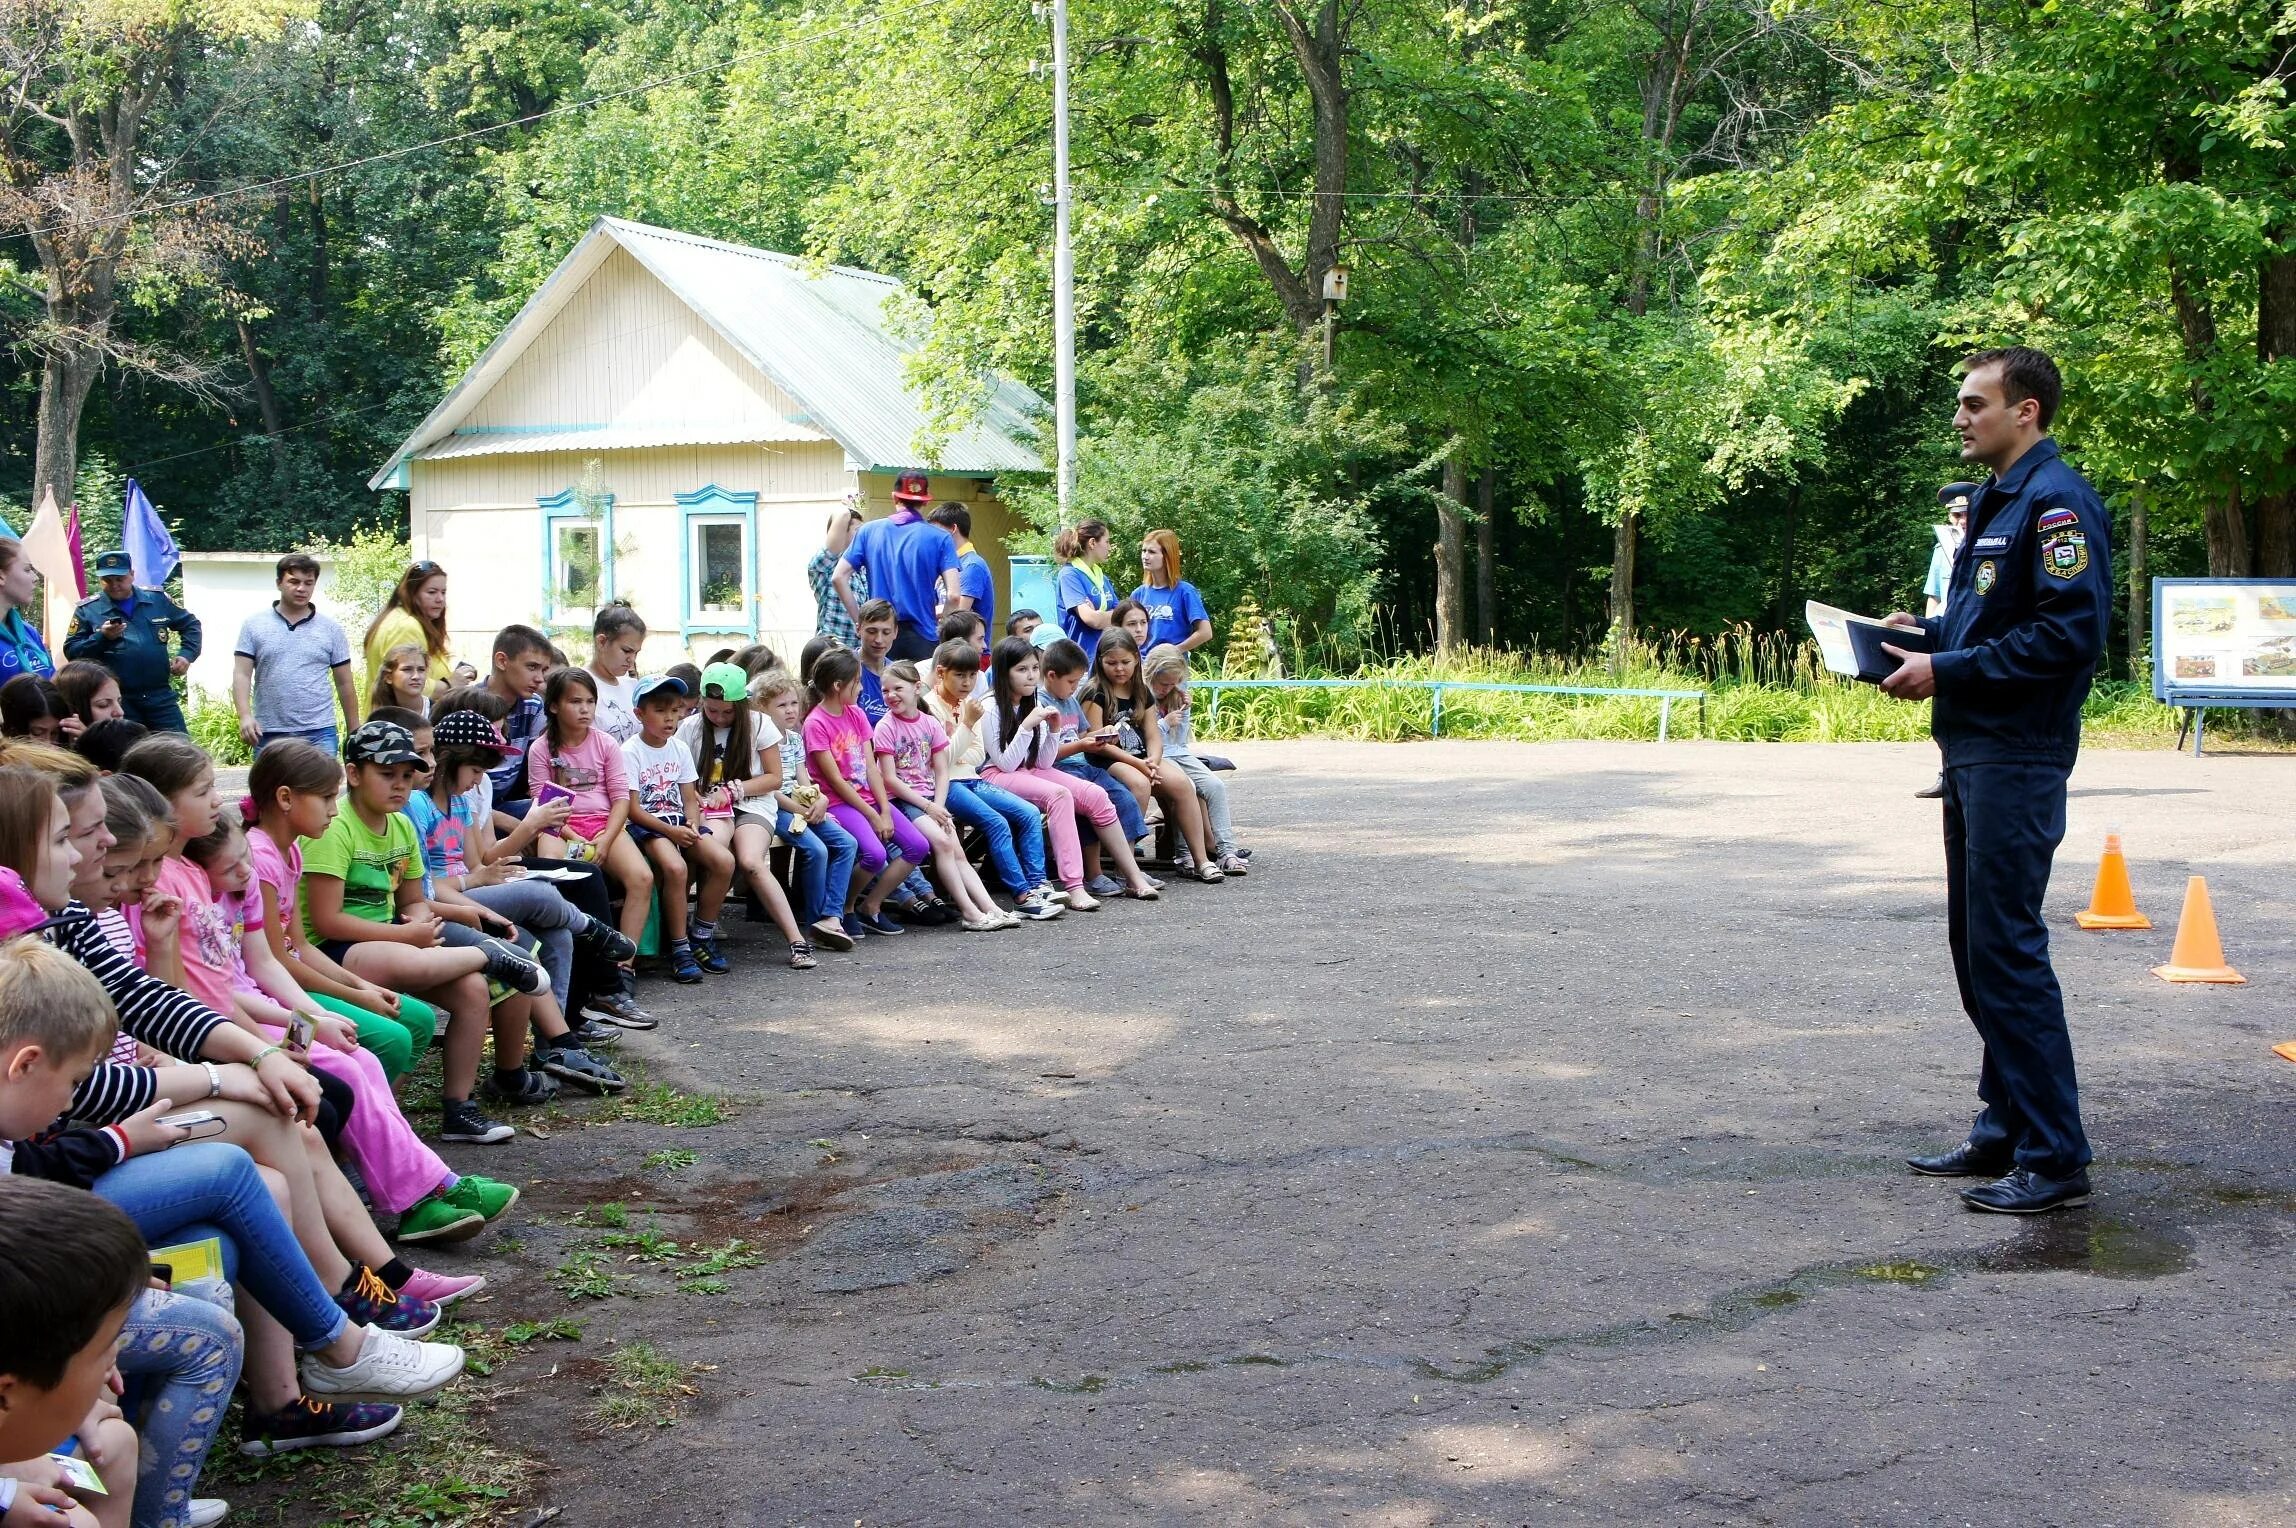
x: 50, y: 549
x: 79, y: 556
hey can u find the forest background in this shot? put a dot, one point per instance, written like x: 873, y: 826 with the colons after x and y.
x: 1653, y: 304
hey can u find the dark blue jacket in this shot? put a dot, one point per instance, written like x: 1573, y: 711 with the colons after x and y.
x: 2025, y: 619
x: 139, y: 658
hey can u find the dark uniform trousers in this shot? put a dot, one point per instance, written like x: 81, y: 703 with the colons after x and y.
x: 2002, y: 826
x: 2014, y: 654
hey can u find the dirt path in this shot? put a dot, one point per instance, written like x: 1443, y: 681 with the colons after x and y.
x: 1518, y: 1144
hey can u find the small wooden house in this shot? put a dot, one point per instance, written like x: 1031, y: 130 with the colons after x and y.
x: 670, y: 420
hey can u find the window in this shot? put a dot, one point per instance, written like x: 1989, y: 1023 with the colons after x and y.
x: 720, y: 530
x: 577, y: 556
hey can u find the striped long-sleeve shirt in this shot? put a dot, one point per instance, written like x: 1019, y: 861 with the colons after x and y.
x: 168, y: 1020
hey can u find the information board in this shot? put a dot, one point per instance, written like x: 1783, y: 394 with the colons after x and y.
x: 2224, y: 641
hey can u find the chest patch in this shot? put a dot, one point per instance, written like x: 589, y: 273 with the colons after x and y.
x: 1986, y: 574
x: 1991, y: 544
x: 2057, y: 519
x: 2065, y: 554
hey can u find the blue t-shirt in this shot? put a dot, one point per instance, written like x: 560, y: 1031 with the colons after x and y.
x: 872, y: 700
x: 976, y: 583
x: 1078, y: 587
x: 905, y: 560
x: 1172, y: 613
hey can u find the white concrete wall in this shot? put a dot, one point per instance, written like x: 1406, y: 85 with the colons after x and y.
x: 223, y: 589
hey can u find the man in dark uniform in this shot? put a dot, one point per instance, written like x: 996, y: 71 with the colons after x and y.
x: 125, y: 629
x: 2010, y: 664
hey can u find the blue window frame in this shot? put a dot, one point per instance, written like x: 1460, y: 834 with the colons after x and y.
x: 717, y: 562
x: 577, y: 557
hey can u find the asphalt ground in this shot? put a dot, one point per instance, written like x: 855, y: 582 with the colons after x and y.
x: 1519, y: 1143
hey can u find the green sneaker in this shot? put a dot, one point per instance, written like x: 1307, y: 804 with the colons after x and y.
x: 484, y: 1196
x: 438, y: 1218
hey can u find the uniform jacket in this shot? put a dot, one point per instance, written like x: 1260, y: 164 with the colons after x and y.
x: 2025, y: 618
x: 140, y: 657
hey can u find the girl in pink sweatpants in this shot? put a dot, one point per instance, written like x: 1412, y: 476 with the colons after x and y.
x: 1021, y: 740
x: 400, y: 1170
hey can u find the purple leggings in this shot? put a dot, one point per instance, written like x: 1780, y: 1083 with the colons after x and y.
x: 906, y: 839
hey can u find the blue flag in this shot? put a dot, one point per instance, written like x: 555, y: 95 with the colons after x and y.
x: 150, y: 546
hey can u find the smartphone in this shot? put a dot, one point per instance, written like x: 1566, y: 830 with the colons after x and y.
x: 164, y: 1272
x: 201, y: 1123
x: 299, y: 1031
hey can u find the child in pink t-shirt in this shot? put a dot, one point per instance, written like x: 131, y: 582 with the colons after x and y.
x: 917, y: 777
x: 843, y: 759
x: 576, y: 761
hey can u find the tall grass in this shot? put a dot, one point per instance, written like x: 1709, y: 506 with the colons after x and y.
x: 1761, y: 687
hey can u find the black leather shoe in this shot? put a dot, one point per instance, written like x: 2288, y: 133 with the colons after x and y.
x: 1932, y: 791
x: 1963, y: 1161
x: 2026, y: 1192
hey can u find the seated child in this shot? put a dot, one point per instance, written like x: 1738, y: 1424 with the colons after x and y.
x: 234, y: 959
x: 1166, y: 669
x: 1081, y: 749
x: 824, y: 851
x: 581, y: 764
x: 1118, y: 696
x: 1012, y: 829
x: 1020, y: 739
x: 665, y: 817
x: 363, y: 905
x: 914, y: 752
x: 841, y: 756
x: 879, y: 630
x: 736, y: 751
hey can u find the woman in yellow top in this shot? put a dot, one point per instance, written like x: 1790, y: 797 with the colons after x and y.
x: 415, y: 614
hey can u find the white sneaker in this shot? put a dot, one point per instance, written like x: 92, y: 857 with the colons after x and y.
x: 205, y: 1512
x: 389, y: 1368
x: 1052, y: 894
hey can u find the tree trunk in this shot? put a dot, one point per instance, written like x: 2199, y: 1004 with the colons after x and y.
x: 1622, y: 577
x: 1786, y: 560
x: 1486, y: 568
x: 2227, y: 528
x: 65, y: 382
x: 1451, y: 552
x: 2140, y: 592
x: 2276, y: 341
x: 266, y: 401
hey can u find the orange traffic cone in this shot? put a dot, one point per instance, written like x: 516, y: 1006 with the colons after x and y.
x: 2113, y: 904
x: 2199, y: 954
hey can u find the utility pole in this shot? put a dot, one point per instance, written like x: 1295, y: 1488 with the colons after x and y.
x: 1063, y: 267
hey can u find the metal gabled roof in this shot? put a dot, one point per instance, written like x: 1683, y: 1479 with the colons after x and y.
x: 821, y: 336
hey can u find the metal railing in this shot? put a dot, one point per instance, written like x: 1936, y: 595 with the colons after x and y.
x: 1665, y: 698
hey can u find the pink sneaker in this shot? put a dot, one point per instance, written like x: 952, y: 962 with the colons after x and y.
x: 442, y: 1289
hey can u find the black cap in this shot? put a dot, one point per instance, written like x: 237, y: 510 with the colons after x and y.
x: 1956, y: 496
x: 381, y: 743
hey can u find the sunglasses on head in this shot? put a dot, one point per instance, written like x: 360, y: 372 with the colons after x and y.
x: 426, y: 568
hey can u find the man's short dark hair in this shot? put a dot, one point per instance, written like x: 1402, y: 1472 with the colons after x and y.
x: 959, y: 625
x: 1012, y: 622
x: 955, y: 516
x: 2025, y: 373
x: 67, y: 1261
x: 518, y: 641
x: 296, y: 562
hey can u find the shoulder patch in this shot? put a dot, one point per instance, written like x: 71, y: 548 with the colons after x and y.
x: 2065, y: 553
x: 2057, y: 519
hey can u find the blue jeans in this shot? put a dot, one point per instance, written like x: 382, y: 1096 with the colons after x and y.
x: 1013, y: 829
x: 216, y: 1182
x: 326, y: 739
x: 825, y: 854
x: 180, y: 1357
x: 1127, y: 809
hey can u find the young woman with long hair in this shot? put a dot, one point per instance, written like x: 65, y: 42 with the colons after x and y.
x: 415, y: 613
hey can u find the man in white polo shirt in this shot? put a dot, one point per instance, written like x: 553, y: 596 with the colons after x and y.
x: 286, y: 656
